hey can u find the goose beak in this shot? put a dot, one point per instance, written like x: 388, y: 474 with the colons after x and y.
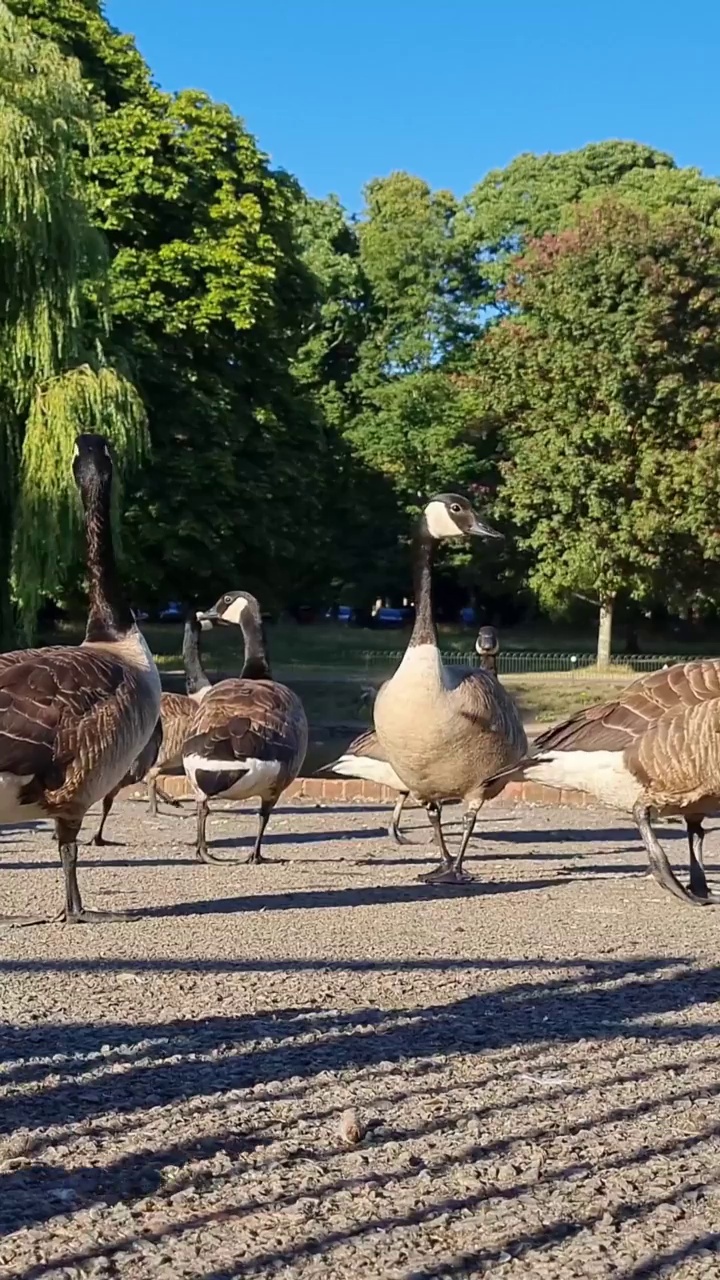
x: 207, y: 618
x: 481, y: 529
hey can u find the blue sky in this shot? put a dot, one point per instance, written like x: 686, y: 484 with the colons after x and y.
x: 340, y: 92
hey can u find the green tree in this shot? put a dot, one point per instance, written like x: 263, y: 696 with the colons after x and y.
x: 604, y: 383
x: 410, y: 420
x: 55, y: 377
x: 212, y: 302
x: 535, y: 194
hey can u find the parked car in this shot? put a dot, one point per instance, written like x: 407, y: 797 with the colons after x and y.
x: 341, y: 613
x: 172, y: 612
x: 392, y: 618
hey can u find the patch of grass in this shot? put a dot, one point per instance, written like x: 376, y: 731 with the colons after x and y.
x: 545, y: 701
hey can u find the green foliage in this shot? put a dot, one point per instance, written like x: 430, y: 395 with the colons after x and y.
x: 605, y: 384
x: 49, y: 518
x: 536, y: 194
x: 52, y: 313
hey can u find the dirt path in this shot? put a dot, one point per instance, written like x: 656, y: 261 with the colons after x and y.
x: 538, y: 1058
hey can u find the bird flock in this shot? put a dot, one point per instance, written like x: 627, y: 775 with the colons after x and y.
x: 78, y: 723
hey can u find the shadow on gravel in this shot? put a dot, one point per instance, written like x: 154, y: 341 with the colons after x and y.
x: 160, y: 1064
x: 665, y: 1264
x: 522, y: 1245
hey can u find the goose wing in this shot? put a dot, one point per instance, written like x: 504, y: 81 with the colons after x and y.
x: 366, y: 745
x: 55, y: 713
x: 620, y: 724
x: 484, y: 701
x: 250, y: 720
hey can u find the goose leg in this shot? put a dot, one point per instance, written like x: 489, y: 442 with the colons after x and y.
x: 74, y: 911
x: 454, y: 873
x: 434, y: 815
x: 154, y: 790
x: 659, y: 864
x: 394, y: 829
x: 202, y: 853
x: 266, y: 807
x: 99, y: 838
x: 696, y: 837
x: 152, y: 795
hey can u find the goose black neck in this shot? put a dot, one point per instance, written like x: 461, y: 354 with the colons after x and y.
x: 195, y: 678
x: 488, y: 661
x: 109, y: 616
x: 423, y: 548
x: 256, y: 665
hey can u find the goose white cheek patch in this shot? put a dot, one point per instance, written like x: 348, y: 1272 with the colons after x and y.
x: 439, y: 521
x: 234, y: 612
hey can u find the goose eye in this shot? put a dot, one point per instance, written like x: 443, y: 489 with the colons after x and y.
x: 455, y: 508
x: 228, y: 599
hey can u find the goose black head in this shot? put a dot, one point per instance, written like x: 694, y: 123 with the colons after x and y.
x: 230, y: 610
x: 449, y: 515
x: 92, y: 462
x: 487, y: 642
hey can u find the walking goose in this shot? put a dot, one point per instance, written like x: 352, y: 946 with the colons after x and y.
x: 249, y: 735
x: 163, y: 753
x: 445, y: 730
x: 655, y: 749
x: 364, y: 757
x: 74, y: 718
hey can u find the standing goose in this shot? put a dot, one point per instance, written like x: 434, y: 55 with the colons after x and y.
x: 249, y: 735
x: 655, y: 749
x: 177, y: 711
x: 74, y: 718
x: 445, y: 730
x: 364, y: 757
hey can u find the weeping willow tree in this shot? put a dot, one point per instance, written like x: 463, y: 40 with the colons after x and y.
x: 55, y: 379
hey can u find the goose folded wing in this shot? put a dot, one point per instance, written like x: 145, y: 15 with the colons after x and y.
x: 367, y: 746
x: 619, y: 724
x: 46, y: 710
x: 241, y: 739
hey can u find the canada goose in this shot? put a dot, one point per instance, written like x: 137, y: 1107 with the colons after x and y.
x: 653, y: 749
x: 249, y: 735
x: 74, y: 718
x: 443, y: 729
x: 177, y: 711
x: 364, y: 756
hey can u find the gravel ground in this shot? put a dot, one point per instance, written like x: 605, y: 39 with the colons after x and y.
x: 532, y: 1061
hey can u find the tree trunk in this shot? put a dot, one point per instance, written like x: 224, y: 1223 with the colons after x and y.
x: 604, y: 643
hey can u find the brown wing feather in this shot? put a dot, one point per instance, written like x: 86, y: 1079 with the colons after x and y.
x: 250, y: 719
x: 177, y: 712
x: 618, y: 724
x: 48, y: 709
x: 366, y: 745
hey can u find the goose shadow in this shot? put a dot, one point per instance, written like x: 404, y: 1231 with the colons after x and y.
x: 358, y: 896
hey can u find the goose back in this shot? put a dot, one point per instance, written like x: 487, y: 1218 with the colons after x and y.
x: 248, y: 738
